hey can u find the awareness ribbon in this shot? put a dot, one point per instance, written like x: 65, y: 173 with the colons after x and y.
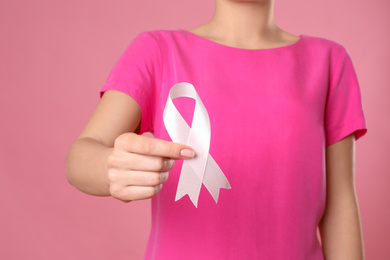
x: 202, y: 168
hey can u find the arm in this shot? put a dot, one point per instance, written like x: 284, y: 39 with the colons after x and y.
x: 340, y: 226
x: 109, y: 159
x: 86, y: 161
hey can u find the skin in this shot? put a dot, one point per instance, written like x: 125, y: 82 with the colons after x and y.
x: 109, y: 159
x: 340, y: 226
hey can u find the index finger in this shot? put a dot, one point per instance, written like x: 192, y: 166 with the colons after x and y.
x: 140, y: 144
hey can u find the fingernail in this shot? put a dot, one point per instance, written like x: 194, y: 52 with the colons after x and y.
x: 164, y: 177
x: 169, y: 164
x: 158, y: 188
x: 187, y: 153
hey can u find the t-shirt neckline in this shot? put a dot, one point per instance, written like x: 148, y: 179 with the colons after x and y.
x: 301, y: 36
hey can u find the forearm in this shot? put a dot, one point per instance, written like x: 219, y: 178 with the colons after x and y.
x: 86, y: 166
x: 341, y: 230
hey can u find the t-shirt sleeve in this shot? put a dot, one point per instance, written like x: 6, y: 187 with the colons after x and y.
x: 136, y: 73
x: 343, y: 113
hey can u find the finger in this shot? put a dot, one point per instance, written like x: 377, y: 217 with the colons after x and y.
x: 130, y: 193
x: 131, y: 161
x: 156, y: 147
x: 138, y: 178
x: 148, y: 178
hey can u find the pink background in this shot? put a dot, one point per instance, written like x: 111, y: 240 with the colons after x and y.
x: 54, y: 58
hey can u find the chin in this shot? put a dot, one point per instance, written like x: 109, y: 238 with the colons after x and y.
x: 253, y: 1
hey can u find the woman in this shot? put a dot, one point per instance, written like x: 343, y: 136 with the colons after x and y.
x: 284, y: 111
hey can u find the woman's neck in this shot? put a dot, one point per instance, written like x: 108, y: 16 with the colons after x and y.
x: 243, y: 19
x: 247, y: 24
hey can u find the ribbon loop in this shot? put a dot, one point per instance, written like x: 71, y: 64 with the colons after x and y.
x: 202, y: 168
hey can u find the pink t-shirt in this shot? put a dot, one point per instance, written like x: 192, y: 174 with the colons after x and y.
x: 272, y: 114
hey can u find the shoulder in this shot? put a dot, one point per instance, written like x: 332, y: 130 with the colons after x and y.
x: 153, y: 40
x: 166, y: 41
x: 318, y: 47
x: 160, y: 35
x: 321, y: 41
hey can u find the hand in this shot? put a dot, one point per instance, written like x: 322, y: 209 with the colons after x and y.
x: 138, y: 165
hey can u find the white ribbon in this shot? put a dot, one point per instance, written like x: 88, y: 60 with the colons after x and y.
x: 202, y: 168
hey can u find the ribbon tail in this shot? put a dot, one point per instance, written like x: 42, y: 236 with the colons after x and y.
x: 214, y: 179
x: 189, y: 184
